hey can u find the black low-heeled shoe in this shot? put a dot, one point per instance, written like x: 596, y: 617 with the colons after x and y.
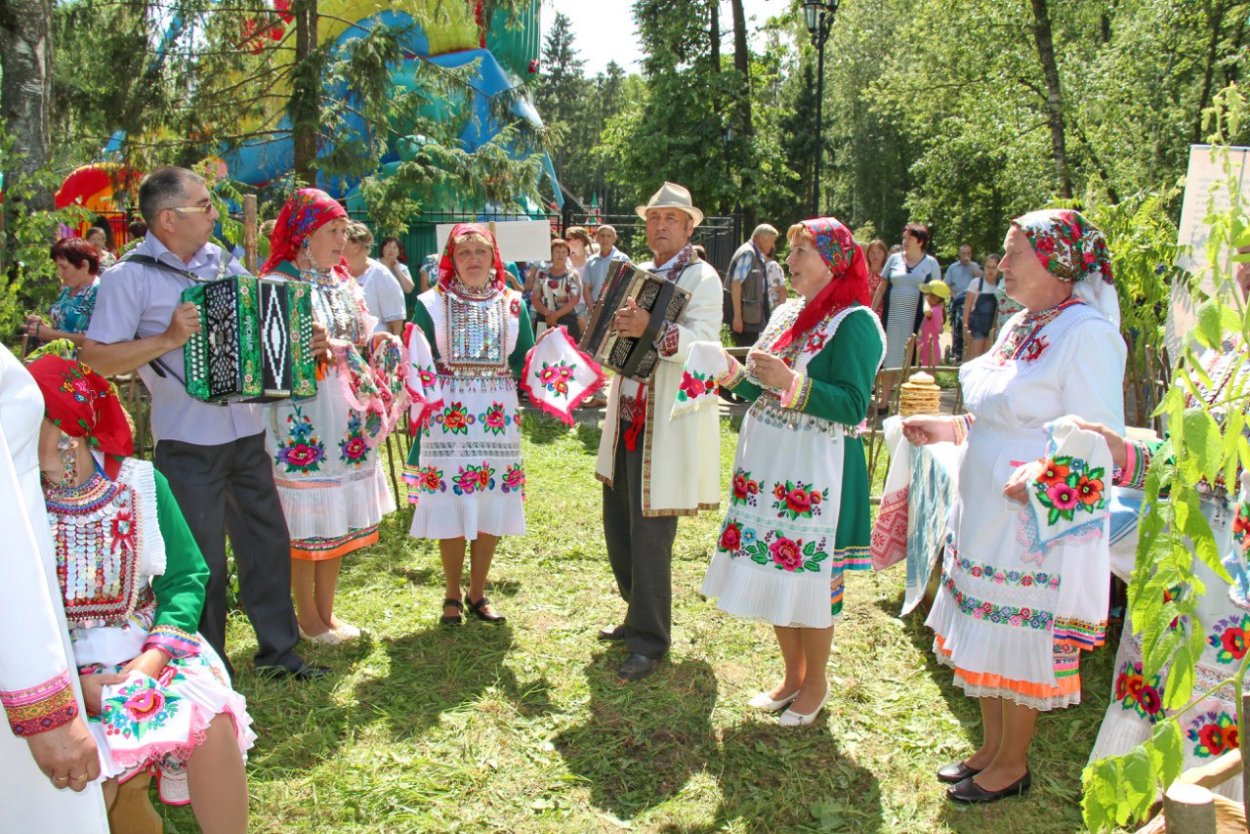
x: 477, y: 609
x: 452, y: 619
x: 956, y: 772
x: 969, y: 792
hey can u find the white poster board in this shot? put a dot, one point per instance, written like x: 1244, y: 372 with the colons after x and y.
x: 519, y: 240
x: 1206, y: 187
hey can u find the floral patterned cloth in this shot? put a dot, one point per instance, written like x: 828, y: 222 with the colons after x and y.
x: 1068, y: 499
x: 324, y: 450
x: 558, y: 377
x: 777, y: 557
x: 706, y: 363
x: 465, y: 473
x: 1074, y: 250
x: 1007, y: 618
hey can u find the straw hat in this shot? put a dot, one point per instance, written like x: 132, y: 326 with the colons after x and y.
x: 672, y: 195
x: 938, y: 288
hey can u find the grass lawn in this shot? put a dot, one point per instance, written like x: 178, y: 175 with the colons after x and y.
x: 522, y: 728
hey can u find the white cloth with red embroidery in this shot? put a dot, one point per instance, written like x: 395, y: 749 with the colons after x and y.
x: 706, y: 363
x: 1006, y: 619
x: 326, y: 464
x: 425, y: 392
x: 558, y: 377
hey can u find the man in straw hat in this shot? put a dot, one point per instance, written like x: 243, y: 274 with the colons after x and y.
x: 655, y: 468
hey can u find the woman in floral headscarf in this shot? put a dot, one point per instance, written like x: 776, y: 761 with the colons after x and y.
x: 132, y: 583
x: 464, y: 471
x: 326, y: 466
x: 797, y: 521
x: 1011, y: 617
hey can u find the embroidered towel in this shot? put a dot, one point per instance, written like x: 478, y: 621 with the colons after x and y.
x: 421, y: 378
x: 705, y: 363
x: 1235, y: 558
x: 1067, y: 498
x: 558, y: 377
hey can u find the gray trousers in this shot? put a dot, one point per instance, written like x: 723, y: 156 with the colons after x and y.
x: 640, y: 550
x: 229, y: 488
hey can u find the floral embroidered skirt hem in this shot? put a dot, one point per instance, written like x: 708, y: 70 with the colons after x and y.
x: 464, y: 472
x: 158, y: 724
x: 784, y: 544
x: 336, y: 547
x: 328, y: 471
x: 996, y: 628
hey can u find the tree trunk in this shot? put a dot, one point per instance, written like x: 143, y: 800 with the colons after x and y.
x: 1215, y: 17
x: 305, y: 105
x: 25, y: 98
x: 714, y: 35
x: 746, y: 129
x: 1054, y: 95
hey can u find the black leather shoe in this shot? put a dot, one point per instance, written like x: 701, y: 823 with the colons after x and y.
x: 969, y: 792
x: 635, y: 668
x: 305, y: 672
x: 612, y: 634
x: 478, y: 609
x: 955, y: 773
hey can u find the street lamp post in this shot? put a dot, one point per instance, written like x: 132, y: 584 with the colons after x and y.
x: 818, y: 15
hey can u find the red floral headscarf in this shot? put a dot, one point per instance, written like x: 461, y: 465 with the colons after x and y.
x: 447, y: 266
x: 1075, y: 251
x: 306, y: 212
x: 82, y: 403
x: 845, y: 259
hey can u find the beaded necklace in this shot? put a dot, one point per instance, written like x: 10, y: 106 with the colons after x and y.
x: 96, y: 529
x: 476, y: 322
x: 334, y: 304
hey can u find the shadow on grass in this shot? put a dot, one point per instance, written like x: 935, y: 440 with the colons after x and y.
x: 645, y: 741
x: 441, y: 669
x: 589, y: 436
x: 541, y: 429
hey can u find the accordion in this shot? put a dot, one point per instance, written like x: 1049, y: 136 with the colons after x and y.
x: 255, y: 341
x: 632, y: 358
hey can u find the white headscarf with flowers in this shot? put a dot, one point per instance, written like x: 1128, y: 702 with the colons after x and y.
x: 1075, y: 251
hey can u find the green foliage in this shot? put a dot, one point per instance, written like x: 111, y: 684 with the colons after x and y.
x: 1205, y: 441
x: 28, y: 280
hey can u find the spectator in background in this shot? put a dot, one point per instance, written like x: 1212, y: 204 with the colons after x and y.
x: 78, y: 266
x: 98, y: 238
x: 384, y: 298
x: 959, y: 276
x: 981, y: 308
x: 902, y: 309
x: 1007, y: 307
x: 936, y: 294
x: 391, y: 255
x: 747, y: 310
x: 556, y: 292
x: 581, y: 249
x: 599, y: 266
x: 427, y: 274
x: 875, y: 255
x: 777, y: 293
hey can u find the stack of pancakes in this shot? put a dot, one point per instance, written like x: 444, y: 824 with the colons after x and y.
x: 919, y: 395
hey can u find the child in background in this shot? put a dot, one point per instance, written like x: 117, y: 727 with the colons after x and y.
x: 937, y: 294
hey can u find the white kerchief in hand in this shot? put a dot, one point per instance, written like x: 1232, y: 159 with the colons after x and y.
x: 558, y: 377
x: 705, y: 364
x: 422, y: 378
x: 1068, y: 498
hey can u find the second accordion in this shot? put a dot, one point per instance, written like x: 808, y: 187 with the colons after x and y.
x: 255, y: 341
x: 662, y: 299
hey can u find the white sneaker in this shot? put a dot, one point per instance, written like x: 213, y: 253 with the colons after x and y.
x: 790, y: 718
x: 763, y: 702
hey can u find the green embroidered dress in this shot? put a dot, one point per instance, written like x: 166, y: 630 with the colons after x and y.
x: 798, y: 505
